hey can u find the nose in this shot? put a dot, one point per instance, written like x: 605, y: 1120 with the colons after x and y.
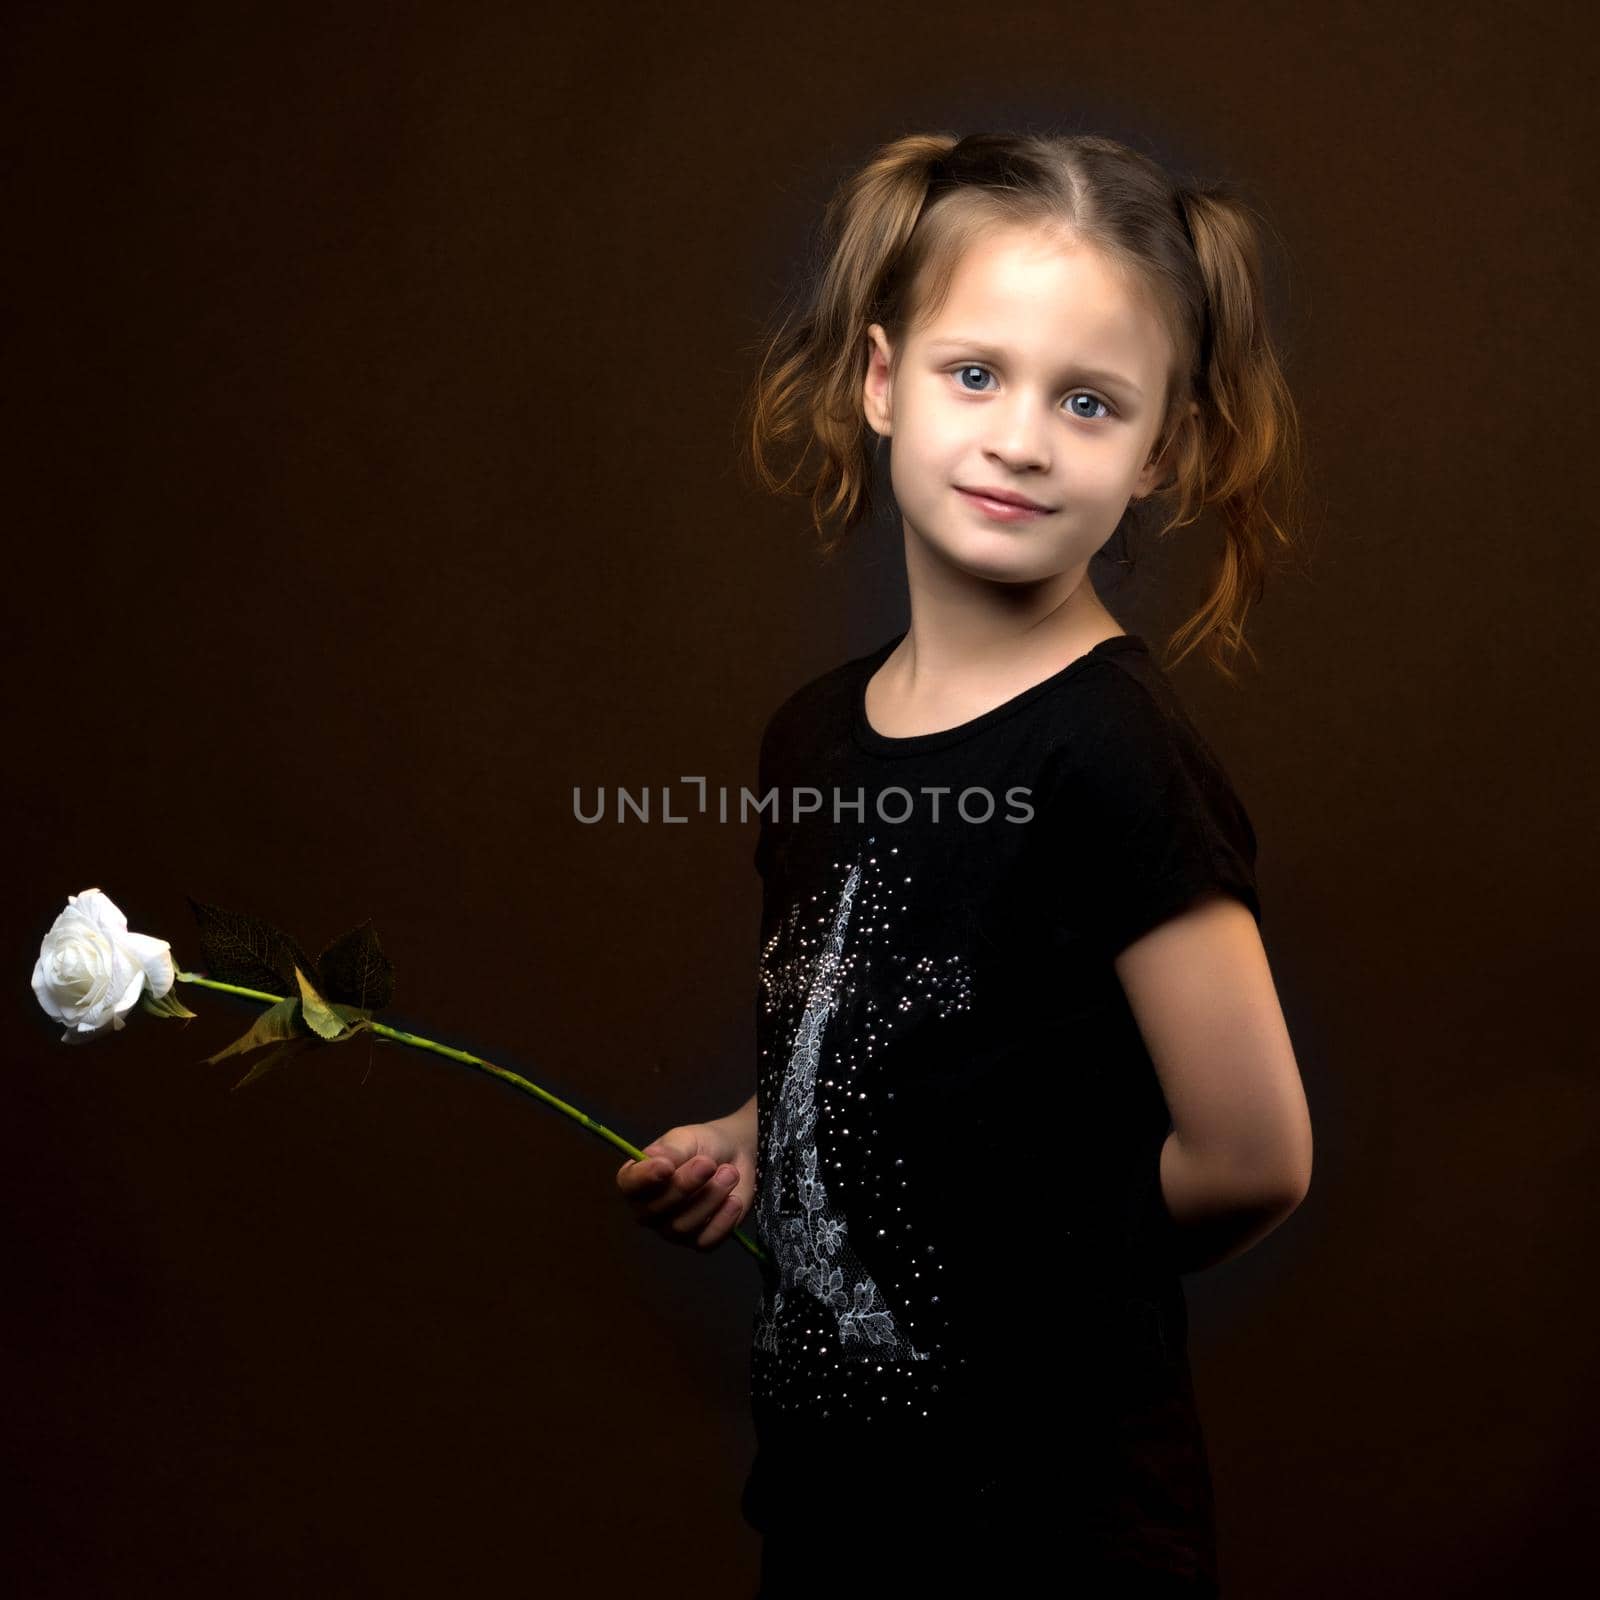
x: 1018, y: 435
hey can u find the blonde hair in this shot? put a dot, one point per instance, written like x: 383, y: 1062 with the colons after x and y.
x: 893, y: 234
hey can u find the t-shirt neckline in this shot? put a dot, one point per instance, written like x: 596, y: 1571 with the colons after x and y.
x: 869, y: 739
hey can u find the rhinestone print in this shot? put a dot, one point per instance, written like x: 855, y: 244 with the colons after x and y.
x: 829, y: 1337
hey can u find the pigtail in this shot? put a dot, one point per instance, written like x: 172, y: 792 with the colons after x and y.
x: 1246, y: 442
x: 813, y: 367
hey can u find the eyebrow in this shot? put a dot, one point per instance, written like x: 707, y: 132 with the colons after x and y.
x: 1111, y: 380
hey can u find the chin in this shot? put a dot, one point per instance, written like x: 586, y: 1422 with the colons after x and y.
x: 1001, y: 566
x: 1016, y: 554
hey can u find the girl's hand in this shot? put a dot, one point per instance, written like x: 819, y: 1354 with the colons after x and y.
x: 694, y: 1185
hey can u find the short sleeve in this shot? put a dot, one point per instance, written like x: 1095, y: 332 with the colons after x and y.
x: 1146, y: 816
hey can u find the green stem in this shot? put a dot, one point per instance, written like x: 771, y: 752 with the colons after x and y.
x: 517, y: 1082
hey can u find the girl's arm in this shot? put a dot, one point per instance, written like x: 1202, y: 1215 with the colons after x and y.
x: 1238, y: 1159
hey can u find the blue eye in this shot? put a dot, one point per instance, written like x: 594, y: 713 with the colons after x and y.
x: 1081, y: 394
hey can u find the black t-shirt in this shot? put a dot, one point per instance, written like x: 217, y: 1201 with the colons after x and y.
x: 968, y: 1301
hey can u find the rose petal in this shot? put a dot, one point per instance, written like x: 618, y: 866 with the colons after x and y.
x: 41, y: 988
x: 101, y: 910
x: 155, y: 955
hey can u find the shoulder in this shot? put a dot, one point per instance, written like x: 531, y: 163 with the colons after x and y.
x: 814, y: 708
x: 1122, y: 707
x: 1130, y: 746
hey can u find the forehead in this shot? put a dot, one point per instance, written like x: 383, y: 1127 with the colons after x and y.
x: 1041, y: 293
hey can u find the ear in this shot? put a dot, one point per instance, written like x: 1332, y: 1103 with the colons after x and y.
x: 876, y: 388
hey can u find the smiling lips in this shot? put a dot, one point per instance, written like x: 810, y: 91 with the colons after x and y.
x: 1010, y: 496
x: 1005, y: 505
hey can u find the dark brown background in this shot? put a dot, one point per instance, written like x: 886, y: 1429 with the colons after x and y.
x: 370, y: 481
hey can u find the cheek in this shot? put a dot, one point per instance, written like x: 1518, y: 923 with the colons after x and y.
x: 1107, y: 474
x: 923, y: 460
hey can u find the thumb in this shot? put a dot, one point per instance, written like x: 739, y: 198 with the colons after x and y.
x: 671, y: 1147
x: 658, y: 1148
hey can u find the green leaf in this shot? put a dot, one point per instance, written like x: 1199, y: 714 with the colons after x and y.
x: 320, y: 1016
x: 247, y: 951
x: 274, y: 1024
x: 282, y: 1056
x: 169, y: 1005
x: 354, y: 969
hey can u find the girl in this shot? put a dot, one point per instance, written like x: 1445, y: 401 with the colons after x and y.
x: 1021, y: 1060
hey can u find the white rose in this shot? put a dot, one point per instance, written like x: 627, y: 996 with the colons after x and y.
x: 90, y: 968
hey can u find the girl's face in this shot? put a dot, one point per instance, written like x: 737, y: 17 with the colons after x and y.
x: 1042, y: 375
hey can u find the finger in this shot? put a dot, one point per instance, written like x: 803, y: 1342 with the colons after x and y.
x: 634, y: 1176
x: 641, y: 1181
x: 668, y: 1151
x: 684, y: 1182
x: 722, y: 1223
x: 694, y: 1211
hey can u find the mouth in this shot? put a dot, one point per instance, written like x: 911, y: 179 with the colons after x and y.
x: 1004, y: 502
